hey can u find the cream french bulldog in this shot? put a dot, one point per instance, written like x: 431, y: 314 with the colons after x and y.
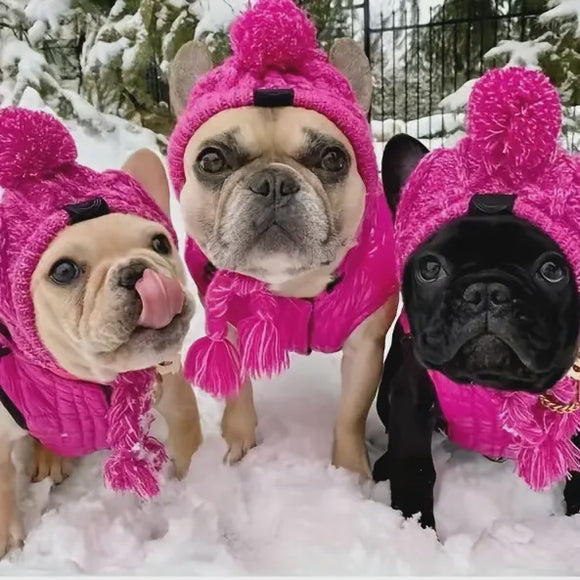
x: 104, y: 296
x: 273, y: 164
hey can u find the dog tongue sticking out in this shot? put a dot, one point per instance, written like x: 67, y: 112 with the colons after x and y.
x: 162, y: 298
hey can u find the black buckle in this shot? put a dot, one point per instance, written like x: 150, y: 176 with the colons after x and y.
x: 487, y: 204
x: 87, y: 210
x: 273, y: 97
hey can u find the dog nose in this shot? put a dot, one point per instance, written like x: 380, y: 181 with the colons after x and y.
x: 130, y: 275
x: 499, y: 294
x: 274, y: 183
x: 479, y: 293
x: 474, y: 293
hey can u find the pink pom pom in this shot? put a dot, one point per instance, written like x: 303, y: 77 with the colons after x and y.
x: 262, y: 352
x: 273, y: 34
x: 514, y: 118
x: 214, y: 366
x: 32, y: 144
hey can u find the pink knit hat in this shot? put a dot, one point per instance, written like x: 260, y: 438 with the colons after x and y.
x: 275, y: 62
x: 513, y: 124
x: 45, y: 191
x: 511, y: 148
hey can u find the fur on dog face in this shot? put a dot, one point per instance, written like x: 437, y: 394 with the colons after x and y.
x: 490, y: 300
x: 271, y: 193
x: 502, y: 313
x: 87, y: 308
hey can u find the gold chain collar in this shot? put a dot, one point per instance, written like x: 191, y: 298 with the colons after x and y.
x: 556, y: 406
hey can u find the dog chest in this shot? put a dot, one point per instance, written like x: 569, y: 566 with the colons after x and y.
x: 473, y: 416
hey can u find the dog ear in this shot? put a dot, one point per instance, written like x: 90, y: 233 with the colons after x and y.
x: 147, y: 168
x: 349, y: 58
x: 192, y: 60
x: 400, y: 157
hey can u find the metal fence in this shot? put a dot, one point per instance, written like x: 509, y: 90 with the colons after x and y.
x: 420, y: 56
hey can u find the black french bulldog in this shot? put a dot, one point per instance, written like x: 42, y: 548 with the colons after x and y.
x: 491, y: 300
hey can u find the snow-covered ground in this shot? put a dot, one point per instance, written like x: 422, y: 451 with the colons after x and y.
x: 284, y: 510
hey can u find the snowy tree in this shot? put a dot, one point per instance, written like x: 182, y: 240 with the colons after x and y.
x: 32, y: 34
x: 399, y: 92
x: 125, y: 62
x: 331, y: 17
x: 24, y: 27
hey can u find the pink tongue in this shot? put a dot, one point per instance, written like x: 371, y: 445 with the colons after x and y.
x: 162, y: 298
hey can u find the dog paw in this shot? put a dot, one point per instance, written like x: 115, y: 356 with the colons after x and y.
x: 239, y: 429
x: 238, y: 446
x: 412, y: 484
x: 45, y: 464
x: 572, y: 494
x: 349, y: 451
x: 11, y: 532
x: 185, y: 437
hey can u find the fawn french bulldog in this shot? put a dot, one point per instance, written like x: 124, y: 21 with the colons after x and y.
x: 289, y: 235
x: 92, y: 302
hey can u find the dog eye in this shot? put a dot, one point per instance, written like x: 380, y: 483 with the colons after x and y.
x: 211, y: 160
x: 161, y: 244
x: 333, y: 160
x: 65, y: 272
x: 552, y: 272
x: 430, y: 269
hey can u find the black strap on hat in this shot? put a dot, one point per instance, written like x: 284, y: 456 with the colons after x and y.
x: 491, y: 204
x: 273, y: 97
x: 87, y: 210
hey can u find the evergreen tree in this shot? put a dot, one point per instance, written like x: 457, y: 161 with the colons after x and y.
x: 460, y: 33
x: 29, y: 59
x: 126, y: 61
x: 331, y: 17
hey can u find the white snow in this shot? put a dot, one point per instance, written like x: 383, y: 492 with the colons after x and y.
x: 524, y: 53
x: 562, y: 9
x: 18, y: 52
x: 216, y: 15
x: 48, y: 12
x: 457, y: 101
x: 103, y: 52
x: 284, y: 510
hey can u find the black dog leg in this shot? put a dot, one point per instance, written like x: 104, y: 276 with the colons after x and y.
x: 408, y: 462
x: 392, y: 365
x: 572, y: 488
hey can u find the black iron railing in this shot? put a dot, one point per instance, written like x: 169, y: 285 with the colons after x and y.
x: 420, y: 56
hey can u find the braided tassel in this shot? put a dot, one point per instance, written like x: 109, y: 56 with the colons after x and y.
x: 136, y: 457
x: 263, y: 354
x: 213, y: 362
